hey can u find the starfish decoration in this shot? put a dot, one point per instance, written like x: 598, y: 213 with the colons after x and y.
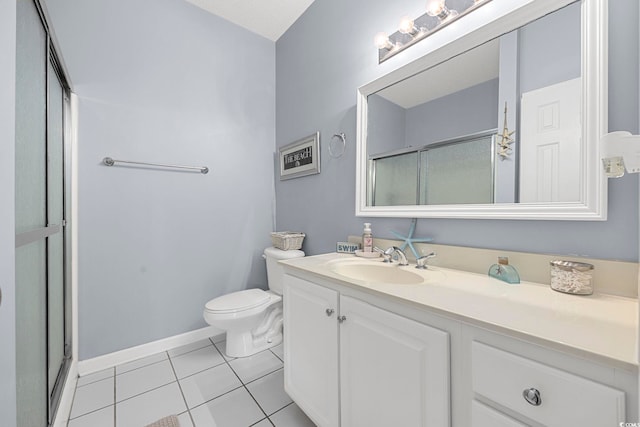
x: 506, y: 139
x: 409, y: 240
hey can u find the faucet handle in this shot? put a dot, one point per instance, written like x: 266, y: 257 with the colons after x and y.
x: 386, y: 257
x: 422, y: 261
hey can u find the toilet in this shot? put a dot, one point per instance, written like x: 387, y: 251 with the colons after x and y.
x: 252, y: 318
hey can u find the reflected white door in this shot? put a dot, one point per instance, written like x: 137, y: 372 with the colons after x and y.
x: 550, y: 143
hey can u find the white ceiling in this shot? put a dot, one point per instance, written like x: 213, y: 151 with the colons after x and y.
x: 473, y: 67
x: 269, y: 18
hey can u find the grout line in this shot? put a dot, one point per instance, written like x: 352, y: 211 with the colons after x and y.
x: 244, y: 385
x: 210, y: 400
x: 90, y: 412
x: 95, y: 381
x: 139, y: 367
x: 184, y: 399
x: 190, y: 351
x: 146, y: 391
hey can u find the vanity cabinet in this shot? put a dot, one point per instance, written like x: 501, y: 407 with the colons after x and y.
x: 534, y: 391
x: 354, y: 357
x: 350, y: 364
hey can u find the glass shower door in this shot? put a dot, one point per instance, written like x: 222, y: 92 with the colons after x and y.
x: 41, y: 332
x: 31, y: 193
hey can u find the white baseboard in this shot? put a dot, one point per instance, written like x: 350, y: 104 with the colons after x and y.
x: 66, y: 400
x: 127, y: 355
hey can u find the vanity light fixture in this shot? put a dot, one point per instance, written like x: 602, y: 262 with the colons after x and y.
x: 411, y: 31
x: 620, y: 151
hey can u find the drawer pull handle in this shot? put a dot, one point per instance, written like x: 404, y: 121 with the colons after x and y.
x: 329, y: 311
x: 532, y: 396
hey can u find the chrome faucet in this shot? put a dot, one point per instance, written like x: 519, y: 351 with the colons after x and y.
x: 394, y: 250
x: 421, y: 262
x: 386, y: 257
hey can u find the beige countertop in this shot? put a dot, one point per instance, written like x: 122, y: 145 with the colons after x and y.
x: 603, y: 325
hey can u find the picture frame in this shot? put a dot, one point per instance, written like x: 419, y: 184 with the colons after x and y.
x: 300, y: 158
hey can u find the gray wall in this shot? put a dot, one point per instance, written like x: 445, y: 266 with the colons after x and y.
x: 439, y: 119
x: 387, y: 127
x: 327, y: 54
x: 163, y: 81
x: 7, y: 213
x: 553, y: 39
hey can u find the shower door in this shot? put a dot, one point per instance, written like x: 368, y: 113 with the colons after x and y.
x: 42, y: 297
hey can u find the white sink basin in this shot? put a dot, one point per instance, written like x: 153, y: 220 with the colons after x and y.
x: 379, y: 273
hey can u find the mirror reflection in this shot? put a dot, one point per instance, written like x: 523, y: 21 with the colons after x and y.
x: 440, y: 136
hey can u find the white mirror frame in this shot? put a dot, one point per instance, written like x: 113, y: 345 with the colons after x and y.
x: 494, y: 19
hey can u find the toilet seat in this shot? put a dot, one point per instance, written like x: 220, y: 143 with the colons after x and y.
x: 238, y: 301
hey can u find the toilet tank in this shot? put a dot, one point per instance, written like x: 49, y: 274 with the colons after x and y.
x: 275, y: 272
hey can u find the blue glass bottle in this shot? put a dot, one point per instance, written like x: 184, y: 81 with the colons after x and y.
x: 505, y: 272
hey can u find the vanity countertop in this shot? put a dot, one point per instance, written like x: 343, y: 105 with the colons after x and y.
x: 601, y: 325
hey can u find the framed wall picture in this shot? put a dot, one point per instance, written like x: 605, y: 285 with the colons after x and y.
x: 300, y: 158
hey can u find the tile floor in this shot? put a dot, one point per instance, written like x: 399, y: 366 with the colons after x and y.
x: 197, y: 382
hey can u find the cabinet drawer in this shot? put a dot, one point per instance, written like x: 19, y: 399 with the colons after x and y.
x: 484, y: 416
x: 564, y: 399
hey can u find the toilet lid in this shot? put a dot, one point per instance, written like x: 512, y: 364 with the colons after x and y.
x: 238, y: 301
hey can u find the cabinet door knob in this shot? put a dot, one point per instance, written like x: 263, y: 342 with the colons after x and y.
x: 329, y: 311
x: 342, y: 318
x: 532, y: 396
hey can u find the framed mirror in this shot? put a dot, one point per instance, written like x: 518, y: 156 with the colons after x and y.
x: 502, y: 121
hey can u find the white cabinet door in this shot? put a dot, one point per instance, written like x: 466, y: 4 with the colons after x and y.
x: 393, y: 371
x: 311, y: 349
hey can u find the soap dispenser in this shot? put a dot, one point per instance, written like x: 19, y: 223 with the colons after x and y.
x: 505, y: 272
x: 367, y: 238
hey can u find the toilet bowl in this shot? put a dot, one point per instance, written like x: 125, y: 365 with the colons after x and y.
x: 252, y: 318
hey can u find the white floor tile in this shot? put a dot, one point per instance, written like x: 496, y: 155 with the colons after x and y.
x: 100, y: 418
x: 189, y: 348
x: 269, y: 392
x: 138, y: 363
x: 196, y: 361
x: 96, y: 376
x: 209, y: 384
x: 92, y: 396
x: 222, y: 348
x: 185, y: 420
x: 234, y: 409
x: 291, y: 416
x: 256, y: 366
x: 143, y: 379
x: 149, y: 407
x: 278, y: 351
x: 263, y: 423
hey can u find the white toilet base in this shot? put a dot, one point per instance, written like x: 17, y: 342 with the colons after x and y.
x: 243, y: 343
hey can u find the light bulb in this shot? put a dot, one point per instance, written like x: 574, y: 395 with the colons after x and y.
x: 407, y: 26
x: 439, y: 9
x: 435, y: 7
x: 382, y: 41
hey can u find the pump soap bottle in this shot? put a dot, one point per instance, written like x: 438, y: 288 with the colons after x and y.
x: 505, y: 272
x: 367, y: 238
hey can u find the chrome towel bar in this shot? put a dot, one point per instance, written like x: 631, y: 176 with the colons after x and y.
x: 110, y: 162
